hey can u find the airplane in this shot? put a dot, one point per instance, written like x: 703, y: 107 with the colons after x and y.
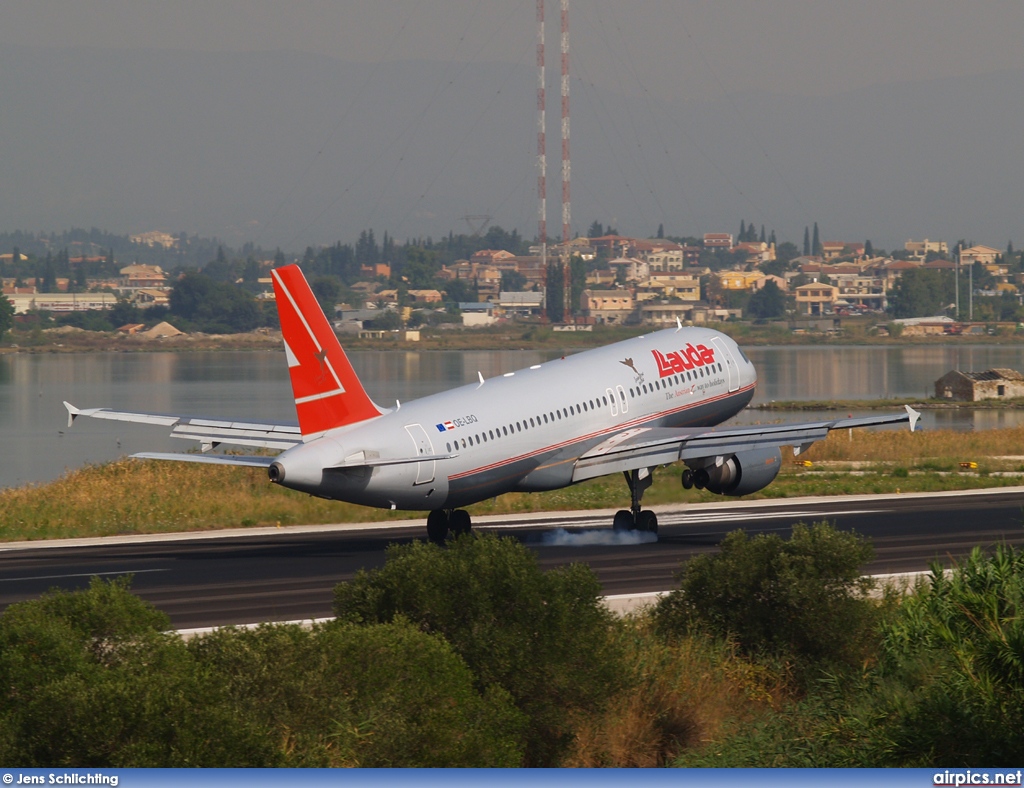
x: 629, y: 407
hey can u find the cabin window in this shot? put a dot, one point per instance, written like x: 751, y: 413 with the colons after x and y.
x: 558, y: 413
x: 531, y: 421
x: 463, y: 443
x: 565, y: 412
x: 490, y: 433
x: 605, y: 400
x: 504, y: 431
x: 448, y: 447
x: 645, y: 388
x: 622, y: 395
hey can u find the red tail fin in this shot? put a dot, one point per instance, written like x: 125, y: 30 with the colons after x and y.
x: 327, y: 392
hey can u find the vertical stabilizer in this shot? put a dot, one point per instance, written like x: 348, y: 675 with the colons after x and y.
x: 327, y: 392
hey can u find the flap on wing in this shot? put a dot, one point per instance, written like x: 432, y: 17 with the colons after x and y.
x: 649, y: 447
x: 209, y: 432
x: 210, y: 459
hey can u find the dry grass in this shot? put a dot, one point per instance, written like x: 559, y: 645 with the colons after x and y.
x: 685, y: 695
x: 130, y: 496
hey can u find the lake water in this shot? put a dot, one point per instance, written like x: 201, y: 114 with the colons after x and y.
x: 36, y: 445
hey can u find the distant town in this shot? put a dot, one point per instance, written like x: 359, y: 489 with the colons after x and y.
x: 166, y: 284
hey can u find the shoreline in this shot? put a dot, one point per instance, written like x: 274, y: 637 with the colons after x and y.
x: 514, y: 336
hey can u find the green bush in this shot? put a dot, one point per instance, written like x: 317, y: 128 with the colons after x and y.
x: 544, y: 637
x: 803, y: 598
x: 89, y: 679
x: 371, y: 696
x: 957, y: 645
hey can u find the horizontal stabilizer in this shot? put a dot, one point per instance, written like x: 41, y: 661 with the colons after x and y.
x: 208, y: 432
x: 210, y: 459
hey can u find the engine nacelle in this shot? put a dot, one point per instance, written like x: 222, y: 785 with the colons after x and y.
x: 745, y: 472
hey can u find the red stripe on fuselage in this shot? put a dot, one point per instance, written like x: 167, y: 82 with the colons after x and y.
x: 603, y: 433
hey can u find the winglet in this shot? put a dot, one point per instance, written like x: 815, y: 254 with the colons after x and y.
x: 72, y: 412
x: 914, y: 415
x: 327, y: 390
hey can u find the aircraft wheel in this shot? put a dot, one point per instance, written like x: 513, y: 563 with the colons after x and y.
x: 647, y: 521
x: 437, y: 526
x: 701, y: 478
x: 460, y: 522
x: 687, y: 479
x: 623, y: 521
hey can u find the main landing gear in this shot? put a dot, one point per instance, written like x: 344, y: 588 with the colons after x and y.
x: 636, y: 519
x: 442, y: 521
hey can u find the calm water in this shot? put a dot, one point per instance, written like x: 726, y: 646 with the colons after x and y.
x: 35, y: 444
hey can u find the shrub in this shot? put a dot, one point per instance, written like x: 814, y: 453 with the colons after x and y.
x: 802, y: 598
x: 544, y: 637
x: 372, y: 696
x: 958, y: 645
x: 89, y: 679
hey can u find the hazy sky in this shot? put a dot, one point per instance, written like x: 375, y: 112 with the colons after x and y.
x: 675, y: 48
x: 639, y: 67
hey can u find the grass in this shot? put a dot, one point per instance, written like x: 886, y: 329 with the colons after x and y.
x: 685, y: 695
x: 135, y: 497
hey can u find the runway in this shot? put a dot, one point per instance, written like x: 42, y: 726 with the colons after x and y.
x: 288, y: 574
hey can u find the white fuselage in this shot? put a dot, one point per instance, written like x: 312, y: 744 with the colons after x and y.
x: 524, y: 431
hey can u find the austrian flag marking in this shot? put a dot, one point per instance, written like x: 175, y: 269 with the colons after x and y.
x: 445, y: 427
x: 679, y: 361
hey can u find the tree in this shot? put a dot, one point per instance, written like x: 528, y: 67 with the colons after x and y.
x: 123, y: 313
x: 543, y: 637
x: 816, y: 243
x: 554, y: 292
x: 803, y: 597
x: 807, y: 241
x: 577, y: 282
x: 6, y: 315
x: 786, y: 251
x: 922, y: 292
x: 596, y: 230
x: 460, y: 291
x: 767, y: 303
x: 661, y: 231
x: 512, y: 281
x: 869, y: 249
x: 327, y: 289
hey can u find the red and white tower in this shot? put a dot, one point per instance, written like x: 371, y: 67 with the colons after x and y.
x: 566, y: 204
x: 542, y: 165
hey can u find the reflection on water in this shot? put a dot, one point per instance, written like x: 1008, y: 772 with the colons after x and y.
x: 37, y: 446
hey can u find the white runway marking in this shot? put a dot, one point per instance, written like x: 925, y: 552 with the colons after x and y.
x: 81, y: 574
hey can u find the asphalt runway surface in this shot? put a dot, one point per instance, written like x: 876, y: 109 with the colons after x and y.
x: 288, y: 574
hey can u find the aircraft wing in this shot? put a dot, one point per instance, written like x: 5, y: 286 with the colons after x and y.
x: 650, y: 447
x: 209, y: 432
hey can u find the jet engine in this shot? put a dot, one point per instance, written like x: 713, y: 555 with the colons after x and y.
x: 739, y: 474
